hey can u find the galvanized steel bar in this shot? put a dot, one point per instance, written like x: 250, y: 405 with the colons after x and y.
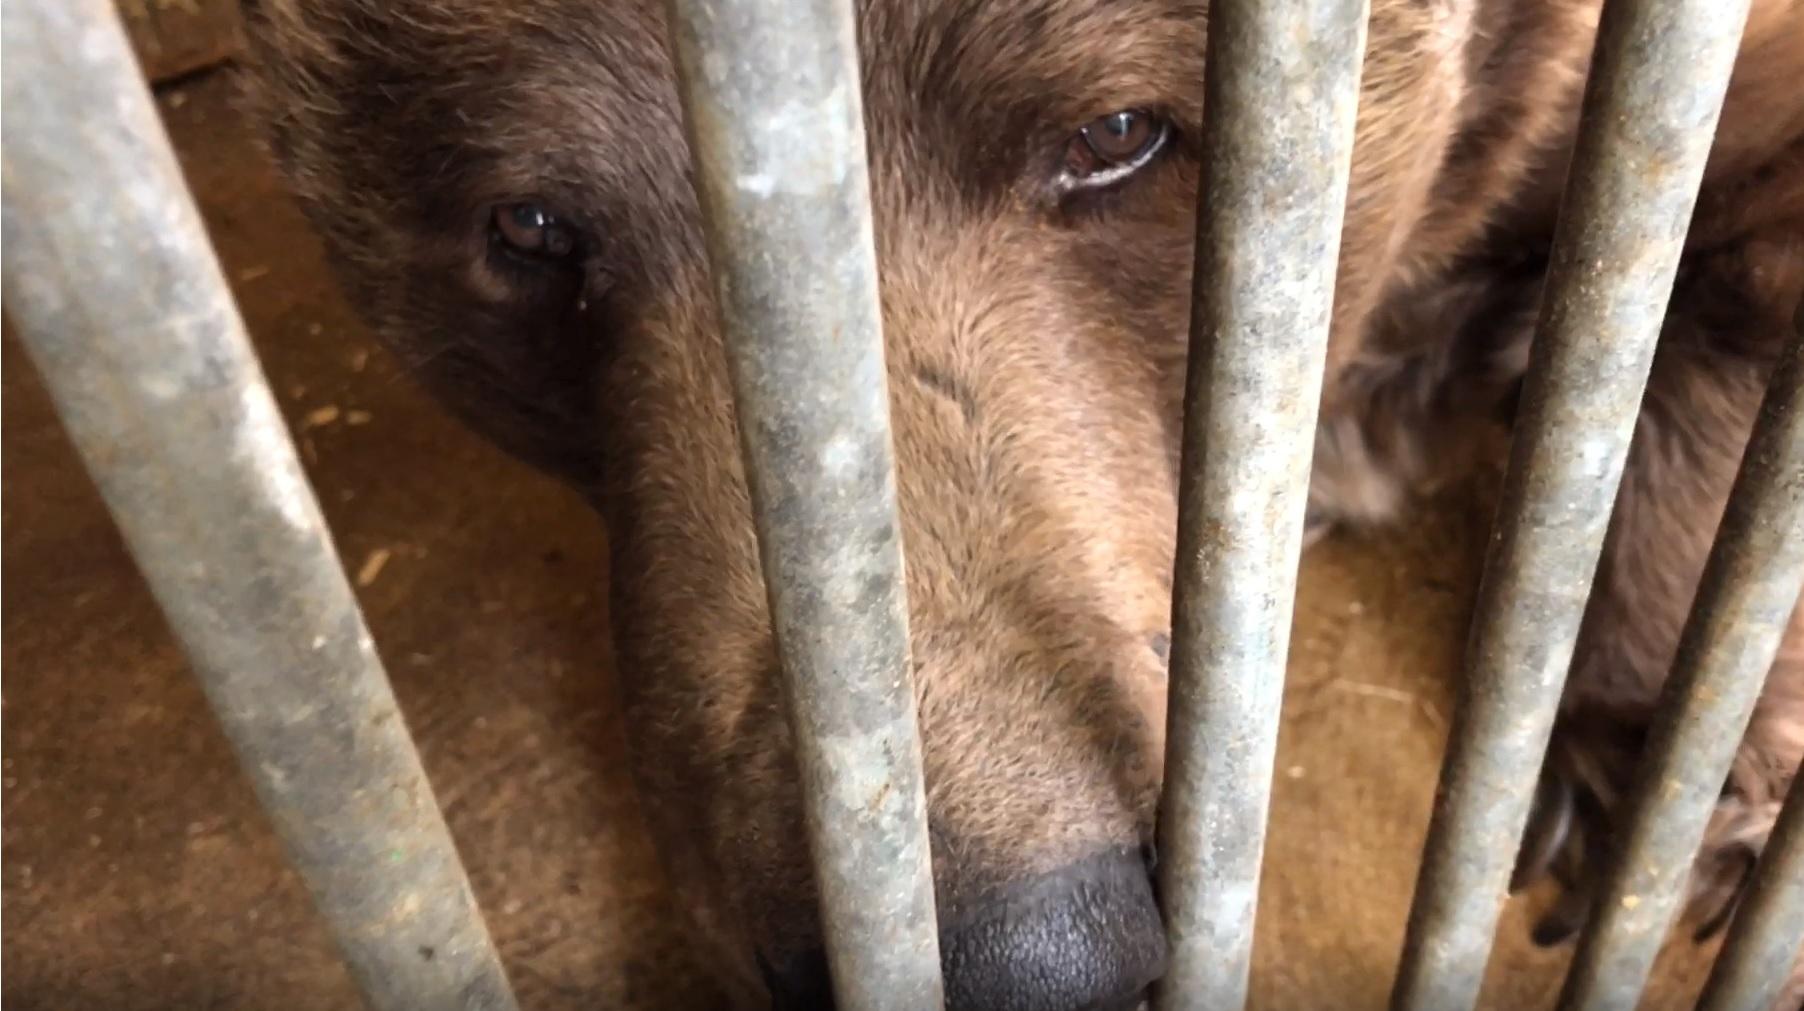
x: 1659, y: 72
x: 1744, y: 603
x: 1766, y: 937
x: 1281, y: 89
x: 121, y: 303
x: 775, y: 120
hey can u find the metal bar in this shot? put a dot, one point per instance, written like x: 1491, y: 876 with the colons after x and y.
x: 775, y: 120
x: 1744, y: 603
x: 1281, y: 85
x: 1660, y: 69
x: 1766, y: 937
x: 122, y: 305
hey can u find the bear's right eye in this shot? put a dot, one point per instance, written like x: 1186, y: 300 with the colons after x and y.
x: 529, y: 229
x: 1111, y: 148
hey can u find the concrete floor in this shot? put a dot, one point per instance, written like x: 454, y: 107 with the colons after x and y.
x: 139, y: 874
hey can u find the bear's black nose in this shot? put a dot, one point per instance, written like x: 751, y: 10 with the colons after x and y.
x: 1087, y: 937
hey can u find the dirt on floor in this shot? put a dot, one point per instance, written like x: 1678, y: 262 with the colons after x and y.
x: 139, y: 874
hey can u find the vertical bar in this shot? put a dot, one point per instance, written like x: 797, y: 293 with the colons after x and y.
x: 775, y: 120
x: 1744, y: 603
x: 1659, y: 72
x: 1766, y: 937
x: 122, y: 305
x: 1281, y: 86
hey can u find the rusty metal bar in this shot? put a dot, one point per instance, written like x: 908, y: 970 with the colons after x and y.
x: 120, y: 302
x: 1282, y: 89
x: 775, y: 119
x: 1766, y: 937
x: 1659, y: 72
x: 1744, y: 604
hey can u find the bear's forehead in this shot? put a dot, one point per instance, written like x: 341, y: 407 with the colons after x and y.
x: 405, y: 116
x: 962, y: 72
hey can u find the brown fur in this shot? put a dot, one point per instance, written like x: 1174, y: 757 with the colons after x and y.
x: 1036, y: 349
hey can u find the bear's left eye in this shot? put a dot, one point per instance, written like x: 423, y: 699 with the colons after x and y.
x: 1110, y: 148
x: 529, y: 229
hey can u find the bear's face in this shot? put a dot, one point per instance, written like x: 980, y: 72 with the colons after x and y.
x: 505, y: 187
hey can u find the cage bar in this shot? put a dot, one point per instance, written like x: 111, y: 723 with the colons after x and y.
x: 1744, y: 604
x: 1281, y: 89
x: 1660, y: 69
x: 775, y: 119
x: 120, y: 302
x: 1766, y: 937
